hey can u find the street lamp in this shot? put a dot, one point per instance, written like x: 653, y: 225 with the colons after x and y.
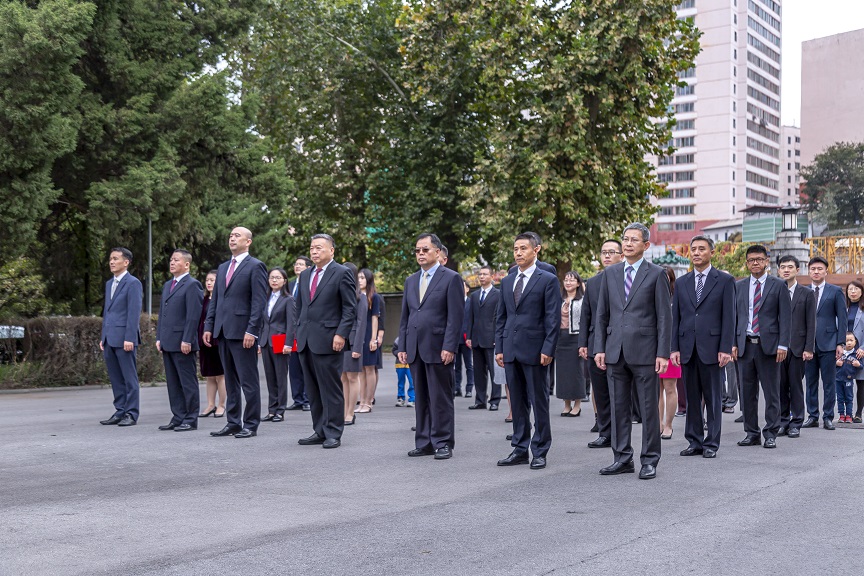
x: 790, y: 218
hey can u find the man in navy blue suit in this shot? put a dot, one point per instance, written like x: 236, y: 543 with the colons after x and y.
x: 526, y: 334
x: 433, y: 307
x: 830, y: 339
x: 703, y: 332
x: 480, y: 322
x: 177, y: 340
x: 234, y: 317
x: 121, y: 336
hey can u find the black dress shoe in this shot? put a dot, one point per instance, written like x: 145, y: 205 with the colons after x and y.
x: 509, y: 437
x: 421, y: 452
x: 331, y: 443
x: 127, y: 421
x: 770, y: 443
x: 750, y: 441
x: 810, y: 422
x: 782, y: 431
x: 413, y: 428
x: 493, y: 407
x: 169, y: 426
x: 311, y: 440
x: 295, y: 406
x: 538, y: 463
x: 794, y: 433
x: 228, y: 430
x: 692, y: 451
x: 443, y: 453
x: 600, y: 442
x: 709, y: 453
x: 267, y: 418
x: 477, y: 407
x: 111, y: 421
x: 739, y: 419
x: 246, y: 433
x: 185, y: 428
x: 618, y: 468
x: 827, y: 424
x: 514, y: 459
x: 277, y: 418
x: 306, y: 407
x: 648, y: 472
x: 457, y: 393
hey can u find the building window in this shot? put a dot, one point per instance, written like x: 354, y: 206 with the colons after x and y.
x: 665, y: 177
x: 684, y: 193
x: 684, y: 125
x: 685, y: 159
x: 761, y: 180
x: 685, y: 90
x: 683, y: 210
x: 763, y: 164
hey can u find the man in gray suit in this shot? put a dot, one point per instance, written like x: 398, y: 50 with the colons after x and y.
x: 177, y: 340
x: 634, y: 335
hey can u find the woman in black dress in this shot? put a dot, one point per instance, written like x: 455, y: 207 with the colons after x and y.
x: 352, y: 359
x: 208, y: 358
x: 570, y: 368
x: 372, y: 361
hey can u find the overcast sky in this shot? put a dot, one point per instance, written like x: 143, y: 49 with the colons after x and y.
x: 805, y: 20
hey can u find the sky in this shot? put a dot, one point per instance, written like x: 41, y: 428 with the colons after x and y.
x: 804, y: 20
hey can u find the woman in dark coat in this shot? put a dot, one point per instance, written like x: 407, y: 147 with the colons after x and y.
x: 208, y: 358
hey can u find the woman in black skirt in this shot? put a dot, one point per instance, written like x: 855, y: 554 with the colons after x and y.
x: 352, y: 359
x: 374, y: 336
x: 208, y: 358
x: 570, y: 369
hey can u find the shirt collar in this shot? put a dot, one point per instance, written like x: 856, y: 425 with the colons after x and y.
x: 760, y: 279
x: 635, y: 265
x: 820, y: 285
x: 531, y: 269
x: 431, y: 271
x: 178, y: 278
x: 704, y: 272
x: 120, y: 276
x: 794, y: 285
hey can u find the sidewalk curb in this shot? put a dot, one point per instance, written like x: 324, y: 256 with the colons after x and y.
x: 73, y: 388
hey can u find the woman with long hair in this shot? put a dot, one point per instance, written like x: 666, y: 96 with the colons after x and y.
x: 208, y: 358
x: 278, y: 318
x: 570, y: 369
x: 669, y: 382
x: 372, y: 360
x: 855, y: 307
x: 352, y: 359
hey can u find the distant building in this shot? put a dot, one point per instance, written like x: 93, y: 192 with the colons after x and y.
x: 790, y: 164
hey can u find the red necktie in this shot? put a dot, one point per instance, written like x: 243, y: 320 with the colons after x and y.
x: 173, y: 284
x: 230, y: 272
x: 314, y: 283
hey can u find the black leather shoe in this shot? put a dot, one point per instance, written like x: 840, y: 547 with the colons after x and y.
x: 827, y: 424
x: 618, y: 468
x: 514, y: 459
x: 493, y: 407
x: 770, y: 443
x: 794, y: 433
x: 810, y: 422
x: 600, y: 442
x: 226, y: 431
x: 443, y: 453
x: 457, y: 393
x: 111, y: 421
x: 267, y: 418
x: 692, y: 451
x: 185, y: 428
x: 413, y: 428
x: 477, y: 407
x: 648, y: 472
x: 331, y: 443
x: 750, y: 441
x: 277, y: 418
x: 295, y: 406
x: 169, y: 426
x: 538, y: 463
x: 739, y: 419
x: 127, y: 421
x: 782, y: 431
x: 306, y: 407
x: 709, y: 453
x: 509, y: 437
x: 311, y: 440
x: 246, y: 433
x: 421, y: 452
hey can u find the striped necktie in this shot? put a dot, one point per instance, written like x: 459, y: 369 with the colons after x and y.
x: 757, y: 301
x: 628, y: 282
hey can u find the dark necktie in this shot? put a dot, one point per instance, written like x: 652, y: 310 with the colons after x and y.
x: 817, y: 294
x: 628, y: 282
x: 482, y: 296
x: 757, y: 300
x: 520, y: 285
x: 700, y: 278
x: 173, y: 284
x: 314, y: 283
x: 230, y: 271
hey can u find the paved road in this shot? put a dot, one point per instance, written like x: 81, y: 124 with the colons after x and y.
x: 80, y: 498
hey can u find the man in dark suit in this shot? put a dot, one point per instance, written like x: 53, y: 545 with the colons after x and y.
x: 610, y: 253
x: 234, y: 317
x: 433, y: 307
x: 295, y: 372
x: 121, y: 336
x: 762, y: 339
x: 703, y: 333
x: 831, y: 324
x: 177, y: 340
x: 526, y: 333
x: 326, y: 308
x: 545, y: 266
x: 802, y: 341
x: 480, y: 323
x: 633, y: 335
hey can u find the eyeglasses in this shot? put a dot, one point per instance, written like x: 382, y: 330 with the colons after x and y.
x: 755, y: 260
x: 424, y: 250
x: 626, y: 240
x: 609, y: 252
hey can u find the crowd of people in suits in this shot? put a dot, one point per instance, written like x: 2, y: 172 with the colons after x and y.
x: 630, y: 334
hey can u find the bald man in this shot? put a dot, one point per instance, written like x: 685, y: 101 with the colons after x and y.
x: 234, y: 317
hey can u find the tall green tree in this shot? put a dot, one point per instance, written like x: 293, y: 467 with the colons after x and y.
x: 835, y: 186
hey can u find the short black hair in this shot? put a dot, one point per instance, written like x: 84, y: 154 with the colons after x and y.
x: 530, y: 236
x: 756, y: 249
x: 432, y: 238
x: 641, y: 228
x: 486, y: 267
x: 789, y: 258
x: 817, y: 260
x: 445, y: 251
x: 305, y: 259
x: 127, y: 254
x: 614, y: 241
x: 701, y: 238
x: 536, y: 237
x: 187, y: 256
x: 326, y: 237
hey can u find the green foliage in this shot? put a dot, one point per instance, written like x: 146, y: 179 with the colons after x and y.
x: 22, y: 290
x: 835, y: 186
x: 732, y: 258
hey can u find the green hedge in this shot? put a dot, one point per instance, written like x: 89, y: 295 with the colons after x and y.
x: 64, y: 351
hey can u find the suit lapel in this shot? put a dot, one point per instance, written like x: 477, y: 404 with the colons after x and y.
x: 236, y: 270
x: 117, y: 290
x: 641, y: 274
x: 822, y: 298
x: 710, y: 282
x: 797, y: 296
x: 177, y: 286
x: 432, y: 283
x: 325, y: 277
x: 531, y: 283
x: 688, y: 285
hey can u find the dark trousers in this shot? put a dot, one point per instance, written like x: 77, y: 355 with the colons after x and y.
x: 295, y: 372
x: 703, y: 382
x: 682, y: 395
x: 823, y: 363
x: 181, y: 376
x: 529, y: 390
x: 463, y: 356
x: 276, y: 374
x: 792, y: 391
x: 755, y: 368
x: 433, y: 408
x: 860, y: 396
x: 730, y: 390
x: 241, y: 380
x: 321, y: 375
x: 484, y: 365
x: 600, y: 384
x: 623, y: 378
x: 123, y: 373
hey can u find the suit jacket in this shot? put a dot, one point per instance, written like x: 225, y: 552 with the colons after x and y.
x: 589, y: 313
x: 428, y: 327
x: 545, y: 266
x: 708, y: 327
x: 831, y: 319
x: 640, y: 327
x: 774, y: 313
x: 122, y: 315
x: 237, y: 310
x: 525, y: 331
x: 358, y: 329
x: 802, y: 330
x: 179, y: 314
x: 481, y: 318
x: 331, y: 312
x: 281, y: 320
x: 858, y: 330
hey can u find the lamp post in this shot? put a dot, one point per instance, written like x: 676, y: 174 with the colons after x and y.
x: 790, y: 218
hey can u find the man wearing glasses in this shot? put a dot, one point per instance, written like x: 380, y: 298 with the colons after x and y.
x: 762, y: 339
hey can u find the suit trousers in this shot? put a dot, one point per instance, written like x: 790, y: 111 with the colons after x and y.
x: 181, y: 375
x: 241, y: 380
x: 484, y: 364
x: 600, y: 384
x: 756, y: 367
x: 823, y: 363
x: 123, y: 373
x: 433, y: 407
x: 529, y: 389
x: 623, y: 378
x: 703, y: 382
x: 463, y: 356
x: 322, y: 378
x: 730, y: 389
x: 276, y: 374
x: 792, y: 392
x: 295, y: 372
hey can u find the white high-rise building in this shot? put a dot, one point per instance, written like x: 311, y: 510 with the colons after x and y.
x: 727, y: 136
x: 790, y: 164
